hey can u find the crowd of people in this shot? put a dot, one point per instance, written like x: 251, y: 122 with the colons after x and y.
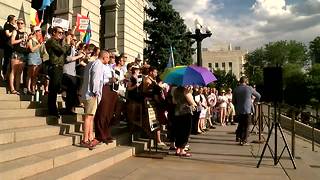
x: 111, y: 89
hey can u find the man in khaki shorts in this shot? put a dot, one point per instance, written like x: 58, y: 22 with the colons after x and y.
x: 91, y: 93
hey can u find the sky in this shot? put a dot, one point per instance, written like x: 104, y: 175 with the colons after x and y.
x: 252, y: 23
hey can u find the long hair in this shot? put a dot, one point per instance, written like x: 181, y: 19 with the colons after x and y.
x: 10, y: 18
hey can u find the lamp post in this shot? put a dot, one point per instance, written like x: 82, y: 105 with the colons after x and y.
x: 199, y: 36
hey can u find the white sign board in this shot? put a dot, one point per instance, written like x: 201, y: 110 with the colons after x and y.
x: 61, y: 23
x: 83, y: 24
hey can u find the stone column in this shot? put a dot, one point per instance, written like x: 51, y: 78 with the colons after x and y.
x: 64, y: 10
x: 111, y: 24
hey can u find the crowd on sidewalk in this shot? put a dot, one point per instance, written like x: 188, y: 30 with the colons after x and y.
x: 110, y: 89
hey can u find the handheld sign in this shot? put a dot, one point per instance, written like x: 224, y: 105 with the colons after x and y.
x: 82, y: 23
x: 61, y: 23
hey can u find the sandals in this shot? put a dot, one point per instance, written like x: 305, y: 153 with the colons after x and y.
x: 86, y: 144
x: 14, y: 92
x: 94, y: 143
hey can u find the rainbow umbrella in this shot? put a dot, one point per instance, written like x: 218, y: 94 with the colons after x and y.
x: 188, y: 75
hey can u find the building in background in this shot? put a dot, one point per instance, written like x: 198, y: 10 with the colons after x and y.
x: 116, y: 25
x: 226, y: 59
x: 123, y: 26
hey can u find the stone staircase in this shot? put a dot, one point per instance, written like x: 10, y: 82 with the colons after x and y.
x: 33, y: 146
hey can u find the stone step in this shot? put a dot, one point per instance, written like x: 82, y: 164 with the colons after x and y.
x: 3, y: 90
x: 20, y: 105
x: 87, y: 166
x: 21, y: 122
x: 26, y: 148
x: 124, y: 169
x: 72, y: 118
x: 31, y: 165
x: 14, y: 97
x: 28, y: 133
x: 7, y: 113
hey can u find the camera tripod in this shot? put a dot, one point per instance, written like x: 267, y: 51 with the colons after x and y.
x: 275, y: 126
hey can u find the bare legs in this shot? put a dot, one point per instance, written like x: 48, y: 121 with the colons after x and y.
x: 32, y: 77
x: 222, y: 115
x: 15, y: 75
x: 88, y: 128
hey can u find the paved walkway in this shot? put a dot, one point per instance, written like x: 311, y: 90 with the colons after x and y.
x: 216, y: 155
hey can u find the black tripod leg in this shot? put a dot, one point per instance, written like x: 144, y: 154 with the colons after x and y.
x: 271, y: 151
x: 287, y: 147
x: 254, y: 125
x: 280, y: 155
x: 265, y: 146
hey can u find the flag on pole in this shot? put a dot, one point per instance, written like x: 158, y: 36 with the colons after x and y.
x: 34, y: 18
x: 87, y: 35
x: 45, y: 4
x: 171, y: 59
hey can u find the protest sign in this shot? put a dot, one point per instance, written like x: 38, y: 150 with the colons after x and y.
x: 82, y: 23
x: 61, y: 23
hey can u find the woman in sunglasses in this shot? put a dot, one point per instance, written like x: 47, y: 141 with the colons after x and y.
x: 19, y: 56
x: 34, y: 59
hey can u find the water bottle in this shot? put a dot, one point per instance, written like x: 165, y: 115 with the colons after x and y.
x: 25, y: 90
x: 37, y: 96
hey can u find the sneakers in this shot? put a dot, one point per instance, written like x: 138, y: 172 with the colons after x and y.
x: 243, y: 143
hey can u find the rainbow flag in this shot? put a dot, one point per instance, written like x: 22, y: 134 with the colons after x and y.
x: 87, y: 35
x: 34, y: 18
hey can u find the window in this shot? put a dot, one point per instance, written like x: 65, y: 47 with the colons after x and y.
x: 230, y: 65
x: 223, y: 64
x: 216, y: 65
x: 210, y: 65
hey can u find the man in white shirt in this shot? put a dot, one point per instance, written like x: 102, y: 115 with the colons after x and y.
x: 91, y: 93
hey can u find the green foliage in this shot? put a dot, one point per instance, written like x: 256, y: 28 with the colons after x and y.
x: 296, y: 90
x: 314, y: 50
x: 165, y: 27
x: 274, y: 54
x: 282, y: 52
x: 225, y: 80
x: 253, y: 68
x: 291, y: 55
x: 314, y: 81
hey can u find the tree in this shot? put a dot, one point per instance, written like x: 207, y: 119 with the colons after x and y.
x: 166, y: 28
x: 274, y: 54
x: 225, y: 80
x: 253, y: 68
x: 282, y: 52
x: 314, y: 50
x: 314, y: 81
x: 296, y: 91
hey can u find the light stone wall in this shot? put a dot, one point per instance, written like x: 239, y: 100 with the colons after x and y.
x: 19, y: 8
x: 236, y: 57
x: 68, y: 9
x: 130, y: 34
x: 93, y: 6
x: 130, y: 28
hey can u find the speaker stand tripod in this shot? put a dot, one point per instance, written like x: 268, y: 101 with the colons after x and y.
x: 275, y: 126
